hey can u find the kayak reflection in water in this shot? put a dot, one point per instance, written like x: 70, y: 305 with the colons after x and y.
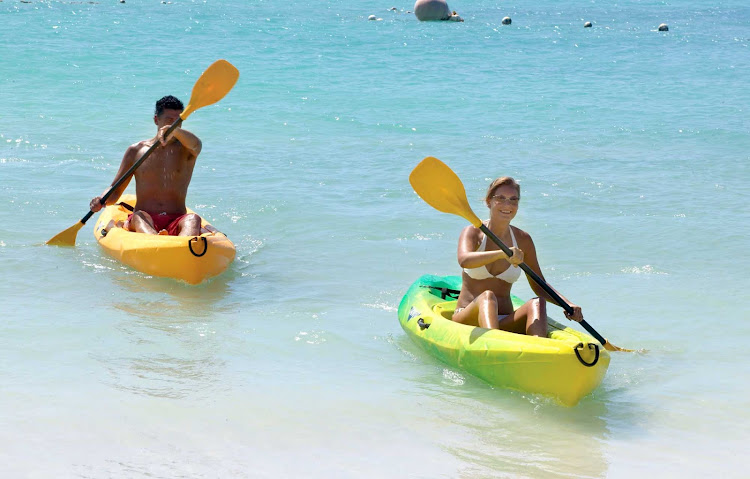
x: 162, y: 181
x: 489, y: 274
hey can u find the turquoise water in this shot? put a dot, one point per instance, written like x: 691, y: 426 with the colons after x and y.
x: 631, y: 146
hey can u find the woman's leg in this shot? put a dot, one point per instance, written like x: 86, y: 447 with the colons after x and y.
x: 482, y: 312
x: 530, y: 318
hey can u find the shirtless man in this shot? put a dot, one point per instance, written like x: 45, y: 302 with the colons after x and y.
x: 161, y: 182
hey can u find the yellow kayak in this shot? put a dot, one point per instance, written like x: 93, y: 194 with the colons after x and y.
x: 192, y: 259
x: 566, y: 365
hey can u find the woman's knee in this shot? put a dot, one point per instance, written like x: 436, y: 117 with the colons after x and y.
x: 488, y: 297
x: 539, y: 305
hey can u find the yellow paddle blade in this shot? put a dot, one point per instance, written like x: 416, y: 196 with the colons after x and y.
x: 442, y: 189
x: 67, y: 237
x: 611, y: 347
x: 212, y: 86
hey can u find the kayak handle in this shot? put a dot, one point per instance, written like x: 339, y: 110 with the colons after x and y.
x: 593, y: 346
x: 422, y: 325
x: 205, y: 245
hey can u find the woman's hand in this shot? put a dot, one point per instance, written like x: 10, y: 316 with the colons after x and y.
x: 517, y: 257
x: 577, y: 313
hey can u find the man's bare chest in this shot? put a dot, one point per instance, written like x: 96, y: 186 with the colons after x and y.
x: 165, y: 159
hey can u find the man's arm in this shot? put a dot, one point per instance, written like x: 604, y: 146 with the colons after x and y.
x: 186, y: 139
x: 128, y: 160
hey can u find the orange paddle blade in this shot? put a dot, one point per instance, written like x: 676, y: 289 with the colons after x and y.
x: 611, y: 347
x: 67, y: 237
x: 212, y: 86
x: 442, y: 189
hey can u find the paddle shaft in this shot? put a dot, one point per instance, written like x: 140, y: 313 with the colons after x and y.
x: 558, y: 299
x: 132, y: 169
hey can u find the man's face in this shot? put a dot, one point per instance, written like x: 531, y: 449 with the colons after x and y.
x: 168, y: 117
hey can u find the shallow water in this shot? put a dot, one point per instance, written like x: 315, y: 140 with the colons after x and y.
x: 631, y: 146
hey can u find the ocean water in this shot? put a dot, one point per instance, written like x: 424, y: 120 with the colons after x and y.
x: 632, y: 149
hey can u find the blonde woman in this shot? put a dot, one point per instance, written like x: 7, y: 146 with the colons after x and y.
x: 489, y: 274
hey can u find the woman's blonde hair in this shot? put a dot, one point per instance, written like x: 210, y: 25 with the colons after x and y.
x: 503, y: 180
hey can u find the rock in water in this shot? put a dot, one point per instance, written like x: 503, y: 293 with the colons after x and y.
x: 431, y: 10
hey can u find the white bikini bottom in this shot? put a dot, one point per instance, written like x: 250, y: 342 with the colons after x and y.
x: 500, y: 317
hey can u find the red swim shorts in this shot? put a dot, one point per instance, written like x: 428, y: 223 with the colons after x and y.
x: 163, y: 221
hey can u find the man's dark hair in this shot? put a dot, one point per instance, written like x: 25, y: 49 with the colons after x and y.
x: 168, y: 103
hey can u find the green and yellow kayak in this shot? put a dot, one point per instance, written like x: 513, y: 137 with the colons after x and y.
x: 566, y: 365
x: 192, y: 259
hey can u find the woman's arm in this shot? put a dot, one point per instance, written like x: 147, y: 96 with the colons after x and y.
x: 469, y: 257
x: 533, y: 263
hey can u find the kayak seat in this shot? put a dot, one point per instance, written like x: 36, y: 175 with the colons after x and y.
x: 126, y: 206
x: 445, y: 309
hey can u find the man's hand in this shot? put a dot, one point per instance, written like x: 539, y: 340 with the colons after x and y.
x: 162, y: 131
x: 96, y: 204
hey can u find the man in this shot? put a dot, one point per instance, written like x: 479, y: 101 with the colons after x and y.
x: 161, y: 182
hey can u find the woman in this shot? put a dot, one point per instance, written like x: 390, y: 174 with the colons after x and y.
x: 489, y: 274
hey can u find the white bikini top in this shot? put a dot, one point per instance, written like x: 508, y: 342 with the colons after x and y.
x: 510, y: 275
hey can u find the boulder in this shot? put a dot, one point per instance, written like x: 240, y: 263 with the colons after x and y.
x: 432, y: 10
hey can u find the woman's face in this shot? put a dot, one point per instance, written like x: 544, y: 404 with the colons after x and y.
x: 504, y: 202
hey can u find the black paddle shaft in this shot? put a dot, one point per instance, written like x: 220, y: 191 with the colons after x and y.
x: 563, y: 304
x: 132, y: 169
